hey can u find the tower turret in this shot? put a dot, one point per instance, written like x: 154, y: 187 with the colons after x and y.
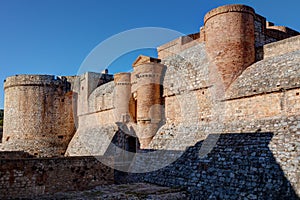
x: 148, y: 74
x: 122, y: 97
x: 229, y: 36
x: 38, y: 115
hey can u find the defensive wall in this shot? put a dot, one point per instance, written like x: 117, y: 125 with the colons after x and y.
x: 227, y: 99
x: 30, y: 178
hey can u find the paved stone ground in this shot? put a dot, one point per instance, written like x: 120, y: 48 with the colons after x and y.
x: 136, y: 191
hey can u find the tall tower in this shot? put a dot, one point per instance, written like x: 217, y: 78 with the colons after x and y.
x: 38, y: 115
x: 230, y: 40
x: 122, y: 97
x: 147, y: 89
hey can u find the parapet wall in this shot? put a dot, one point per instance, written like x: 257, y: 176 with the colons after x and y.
x: 174, y: 47
x: 30, y: 178
x: 32, y: 80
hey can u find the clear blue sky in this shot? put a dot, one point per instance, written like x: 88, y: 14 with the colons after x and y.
x: 55, y: 36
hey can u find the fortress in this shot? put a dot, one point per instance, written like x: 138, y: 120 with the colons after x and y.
x: 230, y: 93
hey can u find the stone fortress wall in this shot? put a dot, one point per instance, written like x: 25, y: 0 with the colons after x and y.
x: 263, y: 97
x: 238, y: 75
x: 38, y: 115
x: 29, y: 178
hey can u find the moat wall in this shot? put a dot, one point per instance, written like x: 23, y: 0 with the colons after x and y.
x: 29, y: 178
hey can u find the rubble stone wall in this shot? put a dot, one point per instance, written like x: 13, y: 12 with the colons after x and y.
x: 28, y: 178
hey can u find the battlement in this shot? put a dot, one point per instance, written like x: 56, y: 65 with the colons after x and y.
x: 34, y: 80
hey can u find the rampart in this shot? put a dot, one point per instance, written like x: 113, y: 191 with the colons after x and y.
x: 229, y: 95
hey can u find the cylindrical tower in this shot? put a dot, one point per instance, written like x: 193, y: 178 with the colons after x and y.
x: 38, y: 115
x: 122, y: 95
x: 148, y: 76
x: 229, y: 36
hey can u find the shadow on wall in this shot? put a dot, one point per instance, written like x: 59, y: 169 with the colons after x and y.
x: 122, y: 149
x: 15, y: 155
x: 240, y: 166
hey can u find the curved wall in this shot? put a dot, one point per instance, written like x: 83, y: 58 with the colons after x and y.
x: 229, y: 36
x: 149, y: 100
x: 38, y: 115
x: 122, y: 96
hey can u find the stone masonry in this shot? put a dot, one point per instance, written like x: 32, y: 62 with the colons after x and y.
x: 224, y: 101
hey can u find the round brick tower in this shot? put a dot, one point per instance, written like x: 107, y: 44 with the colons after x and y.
x: 229, y: 37
x: 122, y: 97
x: 148, y: 74
x: 38, y: 115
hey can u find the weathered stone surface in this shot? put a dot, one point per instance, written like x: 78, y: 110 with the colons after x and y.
x: 33, y: 177
x: 225, y: 103
x: 38, y: 115
x: 238, y: 165
x: 269, y: 75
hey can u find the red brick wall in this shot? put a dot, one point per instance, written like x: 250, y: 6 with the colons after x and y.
x: 229, y: 36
